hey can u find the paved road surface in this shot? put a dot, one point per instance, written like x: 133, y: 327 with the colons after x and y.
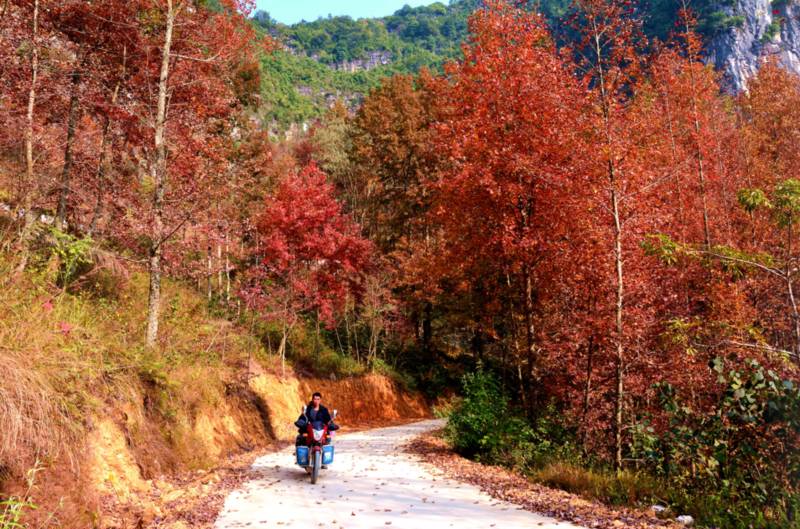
x: 369, y: 485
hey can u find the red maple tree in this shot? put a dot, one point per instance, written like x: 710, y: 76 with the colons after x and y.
x: 309, y: 255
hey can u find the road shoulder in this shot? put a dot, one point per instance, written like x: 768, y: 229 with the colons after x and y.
x: 504, y: 485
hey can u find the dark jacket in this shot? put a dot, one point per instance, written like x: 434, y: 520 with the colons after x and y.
x: 322, y: 415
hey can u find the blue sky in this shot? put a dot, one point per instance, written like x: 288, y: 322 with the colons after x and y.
x: 291, y: 11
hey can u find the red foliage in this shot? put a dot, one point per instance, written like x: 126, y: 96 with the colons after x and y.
x: 310, y: 255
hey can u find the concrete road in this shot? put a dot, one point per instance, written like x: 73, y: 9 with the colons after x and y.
x: 371, y: 484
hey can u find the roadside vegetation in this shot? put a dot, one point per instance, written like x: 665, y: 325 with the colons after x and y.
x: 731, y: 465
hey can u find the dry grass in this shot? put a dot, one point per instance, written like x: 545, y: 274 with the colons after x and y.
x: 71, y: 359
x: 624, y: 488
x: 37, y: 418
x: 32, y: 421
x: 66, y: 357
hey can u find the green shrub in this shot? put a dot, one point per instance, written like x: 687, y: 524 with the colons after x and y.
x: 331, y: 362
x: 476, y: 426
x: 74, y: 255
x: 736, y: 464
x: 405, y: 380
x: 482, y: 425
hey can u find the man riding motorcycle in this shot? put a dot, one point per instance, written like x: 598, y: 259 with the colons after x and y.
x: 315, y: 413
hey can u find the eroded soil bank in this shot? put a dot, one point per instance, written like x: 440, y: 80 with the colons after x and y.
x: 134, y: 472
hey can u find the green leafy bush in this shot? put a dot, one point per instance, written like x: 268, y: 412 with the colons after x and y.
x: 74, y: 255
x: 736, y: 464
x: 484, y: 426
x: 479, y: 424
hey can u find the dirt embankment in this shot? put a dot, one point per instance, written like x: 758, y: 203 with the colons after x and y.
x: 124, y: 436
x: 371, y: 400
x: 134, y: 472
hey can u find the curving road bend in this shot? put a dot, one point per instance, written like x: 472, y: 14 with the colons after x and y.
x: 371, y: 484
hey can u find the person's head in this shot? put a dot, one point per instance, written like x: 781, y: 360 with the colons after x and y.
x: 316, y: 399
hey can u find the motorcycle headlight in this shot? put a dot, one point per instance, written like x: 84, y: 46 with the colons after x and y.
x: 318, y: 434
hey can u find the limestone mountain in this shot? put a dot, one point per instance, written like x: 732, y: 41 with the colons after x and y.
x: 341, y: 58
x: 767, y: 29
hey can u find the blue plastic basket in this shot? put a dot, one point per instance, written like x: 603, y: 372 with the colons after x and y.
x: 327, y: 454
x: 302, y: 455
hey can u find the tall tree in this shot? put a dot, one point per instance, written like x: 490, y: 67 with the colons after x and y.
x: 194, y: 46
x: 393, y: 159
x: 511, y: 135
x: 611, y: 66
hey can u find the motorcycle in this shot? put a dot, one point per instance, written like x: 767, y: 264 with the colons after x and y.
x: 317, y: 449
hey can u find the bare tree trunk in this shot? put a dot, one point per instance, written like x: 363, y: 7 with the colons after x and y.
x: 219, y: 269
x: 530, y: 335
x: 517, y: 349
x: 282, y: 349
x: 101, y: 178
x: 101, y: 165
x: 700, y: 170
x: 347, y: 334
x: 619, y: 370
x: 347, y: 328
x: 699, y: 153
x: 587, y: 390
x: 373, y: 339
x: 355, y: 335
x: 613, y: 180
x: 227, y: 272
x: 154, y: 299
x: 66, y: 172
x: 427, y: 327
x: 209, y: 274
x: 28, y: 200
x: 316, y: 336
x: 790, y: 291
x: 338, y: 338
x: 795, y: 318
x: 521, y: 379
x: 27, y: 188
x: 159, y: 175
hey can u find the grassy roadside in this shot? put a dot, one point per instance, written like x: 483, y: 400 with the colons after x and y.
x: 72, y: 359
x: 704, y: 470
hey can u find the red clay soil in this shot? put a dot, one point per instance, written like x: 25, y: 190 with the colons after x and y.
x: 507, y: 486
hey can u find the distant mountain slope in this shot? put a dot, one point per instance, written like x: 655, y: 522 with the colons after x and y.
x: 342, y: 58
x: 436, y: 29
x: 339, y: 57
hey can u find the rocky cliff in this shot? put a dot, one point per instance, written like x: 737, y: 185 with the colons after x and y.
x: 767, y: 29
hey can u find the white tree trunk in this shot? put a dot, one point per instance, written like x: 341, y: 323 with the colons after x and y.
x: 158, y: 171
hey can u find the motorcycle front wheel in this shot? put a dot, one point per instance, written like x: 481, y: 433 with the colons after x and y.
x: 316, y: 464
